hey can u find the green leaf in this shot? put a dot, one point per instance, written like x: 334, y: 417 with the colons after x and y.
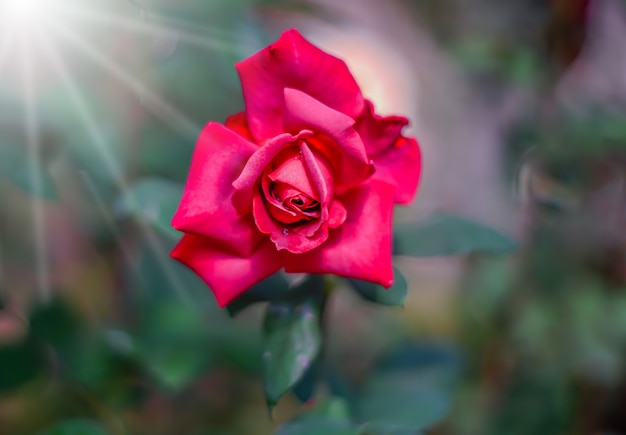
x: 20, y: 363
x: 54, y: 322
x: 292, y: 342
x: 388, y: 429
x: 77, y: 426
x: 304, y: 390
x: 445, y: 234
x: 270, y: 289
x: 332, y: 408
x: 394, y: 296
x: 441, y: 362
x: 394, y: 401
x: 318, y: 426
x: 155, y: 201
x: 175, y: 366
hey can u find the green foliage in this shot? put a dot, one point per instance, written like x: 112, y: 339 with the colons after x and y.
x: 393, y: 296
x: 402, y: 402
x: 444, y: 234
x: 408, y: 390
x: 292, y: 342
x: 154, y: 200
x: 331, y: 415
x: 274, y: 288
x: 75, y: 427
x: 23, y: 160
x: 20, y: 363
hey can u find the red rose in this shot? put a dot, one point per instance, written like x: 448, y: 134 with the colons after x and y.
x: 305, y: 179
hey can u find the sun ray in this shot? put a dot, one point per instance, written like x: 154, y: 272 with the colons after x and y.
x: 33, y: 145
x: 2, y: 272
x: 97, y: 137
x: 5, y: 45
x: 110, y: 222
x: 156, y: 104
x: 198, y: 38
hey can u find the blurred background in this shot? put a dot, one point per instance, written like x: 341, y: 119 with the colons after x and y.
x: 520, y: 111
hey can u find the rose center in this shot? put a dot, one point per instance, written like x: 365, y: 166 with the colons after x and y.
x: 288, y: 205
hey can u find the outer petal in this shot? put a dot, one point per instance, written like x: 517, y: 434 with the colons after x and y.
x: 293, y: 62
x: 345, y: 151
x: 206, y: 205
x: 228, y: 275
x: 401, y: 166
x: 361, y: 247
x: 378, y: 133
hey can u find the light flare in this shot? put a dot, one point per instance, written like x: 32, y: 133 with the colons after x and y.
x: 89, y: 122
x: 33, y: 145
x: 32, y: 29
x: 26, y: 16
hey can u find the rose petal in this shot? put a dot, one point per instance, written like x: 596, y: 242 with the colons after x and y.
x: 285, y: 237
x: 337, y: 214
x: 291, y: 171
x: 401, y: 166
x: 378, y: 133
x: 239, y: 124
x: 255, y: 166
x: 293, y: 62
x: 320, y: 173
x: 226, y: 274
x: 283, y: 215
x: 206, y: 205
x: 345, y: 152
x: 361, y: 247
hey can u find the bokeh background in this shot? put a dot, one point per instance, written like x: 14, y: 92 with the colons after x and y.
x: 520, y: 111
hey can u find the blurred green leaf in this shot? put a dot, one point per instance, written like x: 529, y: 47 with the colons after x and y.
x: 54, y: 322
x: 77, y: 426
x: 292, y: 342
x: 272, y: 288
x: 153, y: 200
x: 176, y: 365
x: 439, y: 361
x: 445, y: 234
x: 331, y: 408
x: 20, y: 363
x: 395, y: 401
x: 410, y: 388
x: 318, y: 426
x: 388, y: 429
x: 174, y: 343
x: 394, y: 296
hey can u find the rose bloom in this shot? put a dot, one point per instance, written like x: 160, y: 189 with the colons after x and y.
x: 305, y: 179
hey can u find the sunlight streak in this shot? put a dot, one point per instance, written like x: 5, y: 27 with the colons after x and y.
x: 161, y: 108
x: 33, y: 144
x: 2, y: 273
x: 198, y: 38
x: 5, y: 46
x: 110, y: 222
x: 99, y: 140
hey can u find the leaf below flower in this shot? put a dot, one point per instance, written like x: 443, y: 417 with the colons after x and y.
x: 445, y: 234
